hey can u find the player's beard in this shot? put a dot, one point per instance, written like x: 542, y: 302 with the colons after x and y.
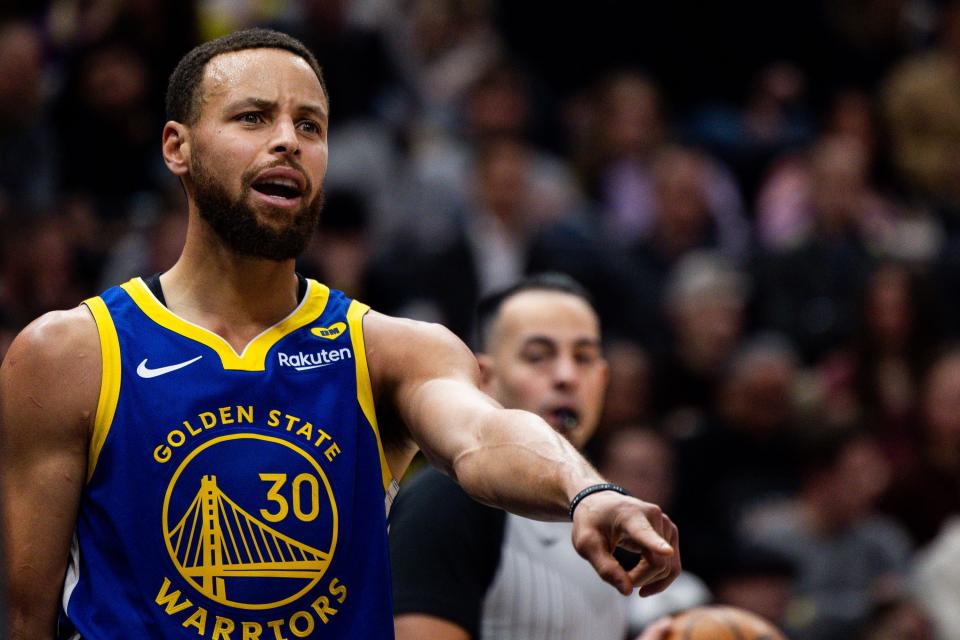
x: 235, y: 221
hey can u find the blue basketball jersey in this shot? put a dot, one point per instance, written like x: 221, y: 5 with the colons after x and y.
x: 231, y: 496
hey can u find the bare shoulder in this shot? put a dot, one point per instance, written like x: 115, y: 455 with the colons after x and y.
x: 54, y: 366
x: 53, y: 337
x: 399, y: 349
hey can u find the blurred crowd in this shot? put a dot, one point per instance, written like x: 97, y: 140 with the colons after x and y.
x: 763, y: 199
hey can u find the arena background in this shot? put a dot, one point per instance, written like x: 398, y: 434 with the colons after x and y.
x: 763, y: 197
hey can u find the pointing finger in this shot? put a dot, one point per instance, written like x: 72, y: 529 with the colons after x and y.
x: 641, y: 534
x: 595, y: 551
x: 671, y: 568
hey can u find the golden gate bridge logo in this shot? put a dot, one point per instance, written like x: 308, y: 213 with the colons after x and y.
x: 216, y: 540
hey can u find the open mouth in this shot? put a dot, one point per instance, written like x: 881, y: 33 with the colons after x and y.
x: 564, y: 418
x: 284, y: 188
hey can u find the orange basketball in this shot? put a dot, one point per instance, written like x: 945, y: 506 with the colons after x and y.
x: 722, y: 623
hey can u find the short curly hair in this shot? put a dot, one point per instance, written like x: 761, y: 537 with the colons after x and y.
x: 183, y: 89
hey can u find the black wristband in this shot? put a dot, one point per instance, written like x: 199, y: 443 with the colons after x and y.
x: 594, y: 488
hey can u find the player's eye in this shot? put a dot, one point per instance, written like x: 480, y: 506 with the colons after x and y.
x: 310, y: 126
x: 250, y: 117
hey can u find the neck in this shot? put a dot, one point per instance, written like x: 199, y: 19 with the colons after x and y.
x: 234, y: 296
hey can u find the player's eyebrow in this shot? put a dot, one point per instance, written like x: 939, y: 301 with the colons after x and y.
x: 316, y: 110
x: 262, y: 104
x: 258, y: 103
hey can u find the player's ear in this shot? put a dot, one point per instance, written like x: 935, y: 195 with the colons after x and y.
x: 176, y: 148
x: 486, y: 371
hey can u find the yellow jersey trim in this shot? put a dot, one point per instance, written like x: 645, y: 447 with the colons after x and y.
x: 254, y: 355
x: 109, y: 380
x: 364, y: 387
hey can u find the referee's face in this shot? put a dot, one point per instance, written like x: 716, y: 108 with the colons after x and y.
x: 544, y: 356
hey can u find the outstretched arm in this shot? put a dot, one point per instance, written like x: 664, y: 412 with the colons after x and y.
x: 49, y: 384
x: 510, y: 458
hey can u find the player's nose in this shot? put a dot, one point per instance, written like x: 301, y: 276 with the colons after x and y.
x: 284, y: 139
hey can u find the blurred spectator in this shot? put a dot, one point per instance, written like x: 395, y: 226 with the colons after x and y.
x: 922, y: 104
x: 501, y: 223
x: 917, y: 233
x: 809, y: 291
x: 828, y: 186
x: 638, y: 459
x: 27, y: 145
x: 755, y: 579
x: 499, y: 104
x: 149, y: 248
x: 876, y: 382
x: 496, y: 240
x: 848, y: 557
x: 619, y: 137
x: 159, y: 30
x: 928, y: 493
x: 339, y: 253
x: 787, y: 202
x: 442, y: 47
x: 642, y: 461
x: 623, y: 296
x: 681, y: 217
x: 852, y: 113
x: 486, y: 246
x: 41, y: 270
x: 628, y: 389
x: 704, y: 306
x: 937, y: 582
x: 785, y: 192
x: 774, y: 119
x: 741, y: 459
x: 109, y: 127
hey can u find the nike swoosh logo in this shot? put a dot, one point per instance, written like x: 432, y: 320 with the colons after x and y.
x: 144, y: 372
x: 313, y: 366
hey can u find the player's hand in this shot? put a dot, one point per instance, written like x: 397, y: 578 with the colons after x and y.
x: 606, y: 520
x: 658, y: 630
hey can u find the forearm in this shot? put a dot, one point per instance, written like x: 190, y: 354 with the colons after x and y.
x: 37, y: 532
x: 23, y: 624
x: 520, y: 464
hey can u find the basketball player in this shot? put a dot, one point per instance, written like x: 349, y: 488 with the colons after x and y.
x: 465, y: 571
x: 209, y: 453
